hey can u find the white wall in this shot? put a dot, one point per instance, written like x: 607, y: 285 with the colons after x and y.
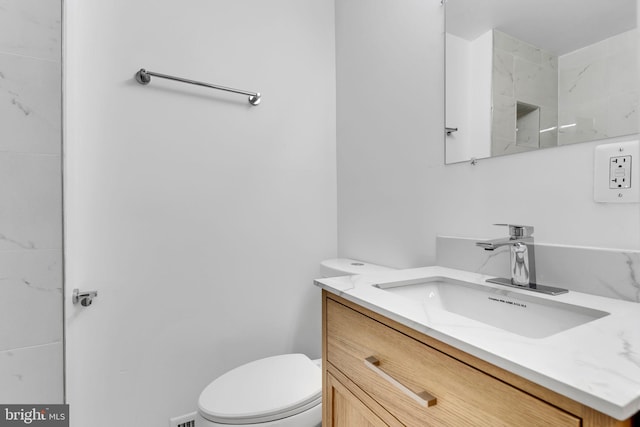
x: 199, y: 219
x: 394, y: 192
x: 457, y: 112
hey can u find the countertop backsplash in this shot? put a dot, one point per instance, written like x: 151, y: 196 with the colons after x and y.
x: 605, y: 272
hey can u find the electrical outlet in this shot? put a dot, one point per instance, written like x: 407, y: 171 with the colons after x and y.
x: 620, y: 172
x: 615, y: 181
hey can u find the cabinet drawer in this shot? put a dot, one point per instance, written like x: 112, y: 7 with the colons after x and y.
x: 400, y: 373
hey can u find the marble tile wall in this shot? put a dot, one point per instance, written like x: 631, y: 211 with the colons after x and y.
x: 31, y: 348
x: 606, y: 272
x: 527, y: 74
x: 599, y: 90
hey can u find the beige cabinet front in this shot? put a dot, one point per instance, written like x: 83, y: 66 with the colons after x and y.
x: 346, y: 409
x: 419, y: 385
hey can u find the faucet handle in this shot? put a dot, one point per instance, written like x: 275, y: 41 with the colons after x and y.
x: 518, y: 231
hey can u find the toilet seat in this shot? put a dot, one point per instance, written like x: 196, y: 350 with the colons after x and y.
x: 263, y: 390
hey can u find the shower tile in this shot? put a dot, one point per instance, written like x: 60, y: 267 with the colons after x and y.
x: 599, y: 90
x: 584, y: 56
x: 535, y: 84
x: 622, y: 71
x: 32, y: 375
x: 622, y: 114
x: 549, y: 60
x: 30, y: 105
x: 503, y: 77
x: 583, y: 82
x: 31, y: 195
x: 31, y: 28
x: 31, y: 303
x: 504, y: 118
x: 591, y: 122
x: 517, y: 48
x: 522, y: 73
x: 625, y: 43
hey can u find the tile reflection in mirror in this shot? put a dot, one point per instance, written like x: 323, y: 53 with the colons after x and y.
x: 584, y: 83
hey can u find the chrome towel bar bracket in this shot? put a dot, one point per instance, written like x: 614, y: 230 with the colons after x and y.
x: 144, y: 77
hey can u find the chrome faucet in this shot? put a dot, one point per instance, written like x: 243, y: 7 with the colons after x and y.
x: 519, y: 237
x: 522, y: 259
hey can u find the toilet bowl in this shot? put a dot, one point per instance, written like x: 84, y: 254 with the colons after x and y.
x: 277, y: 391
x: 283, y: 391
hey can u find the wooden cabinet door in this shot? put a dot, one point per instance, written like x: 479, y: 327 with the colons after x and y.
x: 343, y: 409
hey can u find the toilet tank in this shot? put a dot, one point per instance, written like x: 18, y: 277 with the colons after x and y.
x: 347, y: 267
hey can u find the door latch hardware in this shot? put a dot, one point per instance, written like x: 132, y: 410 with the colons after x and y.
x: 85, y: 298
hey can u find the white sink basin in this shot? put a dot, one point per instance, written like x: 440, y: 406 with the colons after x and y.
x: 513, y: 311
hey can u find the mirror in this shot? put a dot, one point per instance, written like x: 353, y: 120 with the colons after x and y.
x: 523, y: 75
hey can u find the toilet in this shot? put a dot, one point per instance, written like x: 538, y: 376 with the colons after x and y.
x: 277, y: 391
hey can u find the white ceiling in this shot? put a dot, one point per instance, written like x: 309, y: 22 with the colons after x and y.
x: 559, y: 26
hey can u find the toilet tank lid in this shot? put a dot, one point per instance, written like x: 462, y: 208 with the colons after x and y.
x: 347, y: 267
x: 263, y: 390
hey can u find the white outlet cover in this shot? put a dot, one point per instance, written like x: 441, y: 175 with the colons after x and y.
x: 602, y: 173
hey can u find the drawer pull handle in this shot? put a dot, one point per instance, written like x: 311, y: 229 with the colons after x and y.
x: 423, y: 398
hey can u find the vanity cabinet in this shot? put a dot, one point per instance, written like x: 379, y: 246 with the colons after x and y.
x: 379, y: 372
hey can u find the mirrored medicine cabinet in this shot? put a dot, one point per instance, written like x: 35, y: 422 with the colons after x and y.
x: 523, y: 75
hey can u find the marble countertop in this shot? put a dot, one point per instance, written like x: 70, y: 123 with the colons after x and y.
x: 596, y: 364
